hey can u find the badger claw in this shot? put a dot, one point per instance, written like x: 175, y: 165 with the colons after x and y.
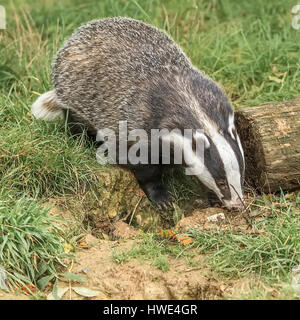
x: 162, y: 199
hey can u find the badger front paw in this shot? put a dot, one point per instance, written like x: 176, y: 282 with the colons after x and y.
x: 161, y: 198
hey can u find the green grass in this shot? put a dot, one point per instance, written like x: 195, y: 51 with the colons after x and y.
x: 153, y: 249
x: 32, y: 246
x: 271, y: 254
x: 243, y: 45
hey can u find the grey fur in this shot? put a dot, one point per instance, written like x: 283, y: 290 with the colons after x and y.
x: 121, y: 69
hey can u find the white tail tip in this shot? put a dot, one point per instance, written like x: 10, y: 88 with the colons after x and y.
x: 46, y: 108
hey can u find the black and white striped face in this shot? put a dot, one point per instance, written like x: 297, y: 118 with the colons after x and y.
x: 224, y: 163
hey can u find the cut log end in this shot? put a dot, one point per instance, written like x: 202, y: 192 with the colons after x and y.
x: 270, y: 136
x: 253, y: 149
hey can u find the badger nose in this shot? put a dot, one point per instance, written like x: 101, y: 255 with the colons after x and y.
x: 234, y: 205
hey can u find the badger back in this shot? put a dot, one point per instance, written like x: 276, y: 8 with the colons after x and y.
x: 104, y: 71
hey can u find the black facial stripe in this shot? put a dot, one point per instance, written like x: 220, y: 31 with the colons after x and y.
x: 215, y: 166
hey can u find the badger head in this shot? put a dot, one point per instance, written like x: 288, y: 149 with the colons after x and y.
x: 221, y: 166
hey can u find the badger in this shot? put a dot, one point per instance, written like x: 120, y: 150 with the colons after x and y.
x: 120, y: 69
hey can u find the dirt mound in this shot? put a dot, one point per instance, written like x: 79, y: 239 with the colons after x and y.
x: 211, y: 219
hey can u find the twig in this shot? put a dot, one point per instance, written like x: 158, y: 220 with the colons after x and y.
x: 245, y: 208
x: 134, y: 210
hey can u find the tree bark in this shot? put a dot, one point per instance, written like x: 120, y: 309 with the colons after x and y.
x: 270, y: 136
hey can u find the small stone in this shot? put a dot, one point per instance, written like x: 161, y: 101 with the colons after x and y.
x: 218, y: 217
x: 85, y: 270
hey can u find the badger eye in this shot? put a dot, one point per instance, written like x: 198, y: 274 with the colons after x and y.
x: 234, y: 131
x: 222, y: 184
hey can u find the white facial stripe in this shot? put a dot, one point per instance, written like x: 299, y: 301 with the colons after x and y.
x: 231, y: 120
x: 231, y: 126
x: 228, y: 156
x: 240, y: 146
x: 230, y: 162
x: 197, y: 166
x: 230, y: 130
x: 231, y: 166
x: 182, y: 144
x: 207, y: 179
x: 200, y: 136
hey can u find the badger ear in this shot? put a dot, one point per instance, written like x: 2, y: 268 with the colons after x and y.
x: 200, y: 137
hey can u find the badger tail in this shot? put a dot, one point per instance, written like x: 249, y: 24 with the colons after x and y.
x: 46, y: 107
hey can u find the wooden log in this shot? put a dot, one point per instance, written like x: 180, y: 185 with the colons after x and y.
x: 270, y: 136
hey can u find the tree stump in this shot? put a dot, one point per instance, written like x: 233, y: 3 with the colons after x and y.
x: 270, y: 135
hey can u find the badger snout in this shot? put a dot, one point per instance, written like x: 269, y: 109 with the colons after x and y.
x: 233, y: 204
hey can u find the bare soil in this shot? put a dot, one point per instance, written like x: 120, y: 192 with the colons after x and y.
x: 138, y: 279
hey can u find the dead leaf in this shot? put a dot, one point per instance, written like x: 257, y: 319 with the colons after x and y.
x: 83, y: 245
x: 166, y: 234
x: 275, y: 79
x: 60, y: 293
x: 74, y: 277
x: 105, y: 236
x: 67, y: 248
x: 183, y: 239
x: 28, y: 289
x: 276, y: 73
x: 85, y: 292
x: 290, y: 196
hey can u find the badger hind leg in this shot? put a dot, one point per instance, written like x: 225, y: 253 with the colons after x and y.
x: 149, y: 178
x: 78, y: 127
x: 47, y: 108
